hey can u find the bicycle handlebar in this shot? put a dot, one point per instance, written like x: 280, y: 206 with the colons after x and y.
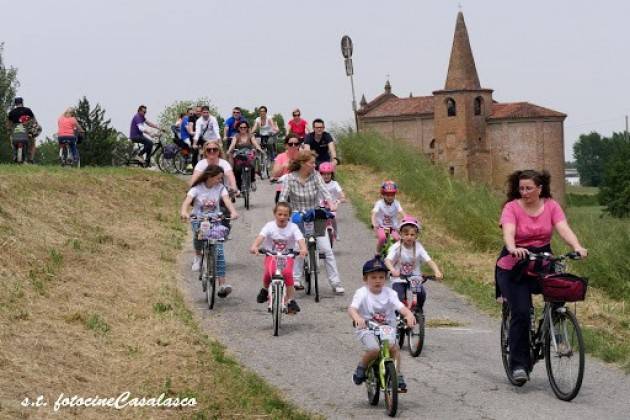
x: 289, y: 253
x: 211, y: 218
x: 550, y: 257
x: 425, y: 278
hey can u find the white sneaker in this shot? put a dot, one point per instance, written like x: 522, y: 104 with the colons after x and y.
x: 196, y: 264
x: 338, y: 290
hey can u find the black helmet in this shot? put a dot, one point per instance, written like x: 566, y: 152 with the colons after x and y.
x: 18, y: 100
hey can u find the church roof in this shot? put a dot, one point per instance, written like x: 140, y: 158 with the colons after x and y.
x: 515, y: 110
x: 395, y: 106
x: 462, y: 72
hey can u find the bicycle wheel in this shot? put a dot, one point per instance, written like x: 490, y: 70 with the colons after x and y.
x: 276, y: 310
x: 416, y: 336
x: 505, y: 345
x: 390, y: 391
x: 179, y: 163
x: 203, y: 269
x: 211, y: 273
x: 565, y: 360
x: 312, y: 255
x: 371, y: 384
x: 245, y: 185
x: 307, y: 277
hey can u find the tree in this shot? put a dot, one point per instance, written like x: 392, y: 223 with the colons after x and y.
x: 615, y: 186
x: 8, y: 89
x: 100, y: 136
x: 587, y: 152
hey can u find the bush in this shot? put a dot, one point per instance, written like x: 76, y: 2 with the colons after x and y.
x: 615, y: 187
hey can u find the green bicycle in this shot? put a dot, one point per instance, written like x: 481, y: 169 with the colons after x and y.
x: 381, y: 373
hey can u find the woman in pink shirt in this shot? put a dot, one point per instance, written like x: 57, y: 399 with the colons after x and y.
x: 67, y: 131
x: 528, y: 220
x: 281, y: 164
x: 298, y: 125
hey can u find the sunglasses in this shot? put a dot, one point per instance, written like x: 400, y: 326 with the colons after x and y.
x: 243, y: 127
x: 296, y: 115
x: 235, y: 112
x: 318, y: 127
x: 212, y: 149
x: 291, y: 144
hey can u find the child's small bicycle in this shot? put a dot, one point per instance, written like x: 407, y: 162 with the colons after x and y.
x: 415, y: 334
x: 389, y: 241
x: 381, y: 373
x: 277, y: 304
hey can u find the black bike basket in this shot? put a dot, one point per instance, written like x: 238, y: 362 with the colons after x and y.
x: 563, y: 287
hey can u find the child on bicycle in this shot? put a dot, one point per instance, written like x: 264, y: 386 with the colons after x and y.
x: 386, y: 213
x: 327, y: 172
x: 204, y: 196
x: 280, y: 235
x: 378, y: 303
x: 405, y: 258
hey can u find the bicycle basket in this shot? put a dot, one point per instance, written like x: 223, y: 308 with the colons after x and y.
x: 170, y: 150
x: 214, y: 231
x: 563, y: 287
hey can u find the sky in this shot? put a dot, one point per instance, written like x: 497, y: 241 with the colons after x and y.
x: 570, y: 56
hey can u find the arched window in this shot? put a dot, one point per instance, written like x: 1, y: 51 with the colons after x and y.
x: 432, y: 144
x: 451, y: 107
x: 478, y: 105
x: 451, y: 170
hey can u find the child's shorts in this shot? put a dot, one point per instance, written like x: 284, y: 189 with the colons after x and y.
x: 368, y: 340
x: 270, y: 269
x: 380, y: 235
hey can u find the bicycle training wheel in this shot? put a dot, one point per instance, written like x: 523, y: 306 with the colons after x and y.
x: 416, y: 336
x: 565, y: 360
x: 505, y: 344
x: 371, y: 384
x: 276, y: 311
x: 390, y: 392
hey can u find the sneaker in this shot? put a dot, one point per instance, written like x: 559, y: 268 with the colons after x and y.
x: 139, y: 159
x: 293, y: 307
x: 196, y: 264
x: 189, y: 167
x: 224, y: 290
x: 298, y: 285
x: 262, y: 296
x: 402, y: 385
x: 338, y: 290
x: 520, y: 376
x: 359, y: 375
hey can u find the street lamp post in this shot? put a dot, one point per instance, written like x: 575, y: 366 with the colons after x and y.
x: 346, y: 51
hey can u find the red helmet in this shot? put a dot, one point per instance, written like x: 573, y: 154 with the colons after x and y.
x: 326, y: 168
x: 389, y: 187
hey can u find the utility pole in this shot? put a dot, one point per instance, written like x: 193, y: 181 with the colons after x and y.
x: 346, y: 51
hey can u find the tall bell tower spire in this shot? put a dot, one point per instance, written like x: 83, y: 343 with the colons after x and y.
x: 462, y: 72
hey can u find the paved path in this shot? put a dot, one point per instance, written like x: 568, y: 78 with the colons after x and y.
x: 458, y: 376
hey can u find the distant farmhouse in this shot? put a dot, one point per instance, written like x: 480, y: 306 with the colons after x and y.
x: 464, y: 129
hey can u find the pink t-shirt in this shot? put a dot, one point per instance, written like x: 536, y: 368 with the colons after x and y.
x: 299, y: 127
x: 281, y: 159
x: 66, y: 126
x: 531, y: 231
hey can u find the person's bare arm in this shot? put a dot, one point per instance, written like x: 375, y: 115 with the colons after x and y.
x: 565, y: 232
x: 184, y: 212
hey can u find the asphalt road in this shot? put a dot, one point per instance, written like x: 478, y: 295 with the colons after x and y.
x: 459, y: 374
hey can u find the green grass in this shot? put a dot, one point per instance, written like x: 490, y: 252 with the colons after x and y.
x: 470, y: 211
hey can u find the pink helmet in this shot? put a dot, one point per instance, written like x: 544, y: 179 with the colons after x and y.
x: 389, y: 187
x: 410, y: 220
x: 326, y: 168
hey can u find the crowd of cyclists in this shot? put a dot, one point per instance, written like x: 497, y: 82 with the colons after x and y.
x: 304, y: 176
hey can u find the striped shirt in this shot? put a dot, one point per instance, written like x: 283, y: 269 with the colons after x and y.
x: 304, y: 196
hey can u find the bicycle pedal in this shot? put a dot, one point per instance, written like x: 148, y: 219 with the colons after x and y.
x: 402, y: 391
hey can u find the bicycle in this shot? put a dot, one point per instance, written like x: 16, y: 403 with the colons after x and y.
x: 313, y: 229
x: 268, y: 144
x: 65, y: 157
x: 415, y: 334
x: 261, y: 166
x: 556, y: 336
x: 389, y: 241
x: 277, y: 304
x: 243, y: 158
x: 128, y: 154
x: 212, y: 233
x: 381, y: 372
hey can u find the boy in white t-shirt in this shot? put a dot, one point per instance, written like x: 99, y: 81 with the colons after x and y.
x: 405, y: 257
x: 326, y: 170
x: 378, y: 303
x: 386, y: 213
x: 277, y: 236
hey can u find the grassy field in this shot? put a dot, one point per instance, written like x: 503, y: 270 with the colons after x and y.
x: 89, y: 303
x: 454, y: 211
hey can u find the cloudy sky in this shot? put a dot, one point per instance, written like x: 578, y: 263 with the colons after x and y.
x: 571, y: 56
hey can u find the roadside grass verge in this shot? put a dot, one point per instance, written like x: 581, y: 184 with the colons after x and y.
x: 470, y: 272
x: 89, y: 303
x: 470, y: 212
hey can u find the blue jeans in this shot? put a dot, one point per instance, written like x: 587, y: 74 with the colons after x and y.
x: 72, y: 142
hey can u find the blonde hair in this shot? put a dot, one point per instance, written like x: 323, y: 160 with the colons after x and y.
x: 302, y: 157
x: 69, y: 112
x: 219, y: 145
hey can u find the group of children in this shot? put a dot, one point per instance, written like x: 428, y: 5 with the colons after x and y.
x: 374, y: 301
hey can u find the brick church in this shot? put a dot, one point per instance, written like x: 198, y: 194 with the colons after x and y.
x: 465, y: 130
